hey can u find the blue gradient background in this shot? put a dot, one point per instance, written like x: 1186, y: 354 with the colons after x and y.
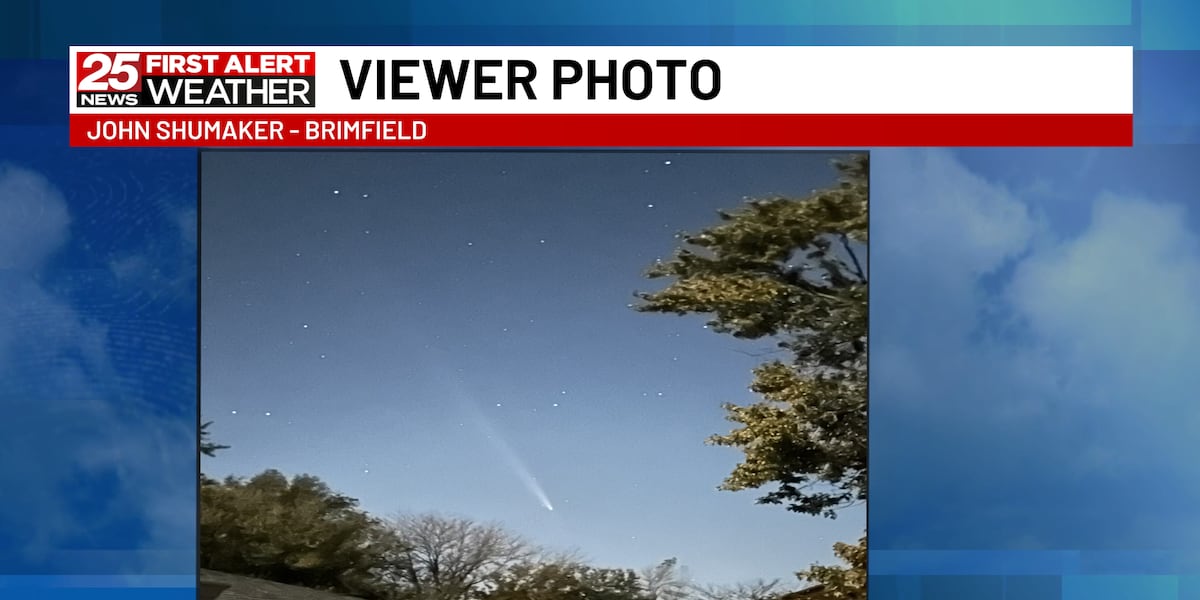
x: 97, y: 326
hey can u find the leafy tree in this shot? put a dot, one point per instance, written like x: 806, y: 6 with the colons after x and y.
x: 565, y: 581
x: 207, y: 446
x: 296, y: 532
x: 847, y: 582
x: 446, y: 558
x: 792, y: 270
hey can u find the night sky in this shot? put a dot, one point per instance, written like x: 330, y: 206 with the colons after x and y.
x: 452, y: 332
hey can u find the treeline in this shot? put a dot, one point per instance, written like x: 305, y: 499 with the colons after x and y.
x: 299, y: 531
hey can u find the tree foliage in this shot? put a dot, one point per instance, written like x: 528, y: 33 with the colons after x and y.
x: 792, y: 270
x: 848, y: 582
x: 296, y: 532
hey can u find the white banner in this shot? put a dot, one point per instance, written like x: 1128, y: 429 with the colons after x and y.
x: 542, y: 80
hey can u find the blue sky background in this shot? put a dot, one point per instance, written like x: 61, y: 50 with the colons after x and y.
x: 1033, y: 321
x: 1034, y: 342
x: 422, y: 329
x: 97, y: 360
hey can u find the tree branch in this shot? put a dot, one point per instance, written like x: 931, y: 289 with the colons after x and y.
x: 853, y: 257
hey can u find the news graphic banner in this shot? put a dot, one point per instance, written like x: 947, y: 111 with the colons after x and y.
x: 606, y: 96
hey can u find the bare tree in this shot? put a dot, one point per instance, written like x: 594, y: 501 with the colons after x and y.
x: 448, y: 558
x: 666, y: 581
x: 751, y: 590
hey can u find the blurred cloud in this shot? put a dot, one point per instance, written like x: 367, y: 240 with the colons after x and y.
x: 1031, y: 388
x: 88, y: 466
x: 33, y: 218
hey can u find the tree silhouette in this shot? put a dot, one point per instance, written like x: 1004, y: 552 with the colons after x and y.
x: 207, y: 446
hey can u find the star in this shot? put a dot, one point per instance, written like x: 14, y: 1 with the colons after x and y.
x: 649, y: 206
x: 322, y: 356
x: 666, y: 162
x: 305, y: 326
x: 367, y: 231
x: 364, y: 195
x: 267, y: 413
x: 555, y: 404
x: 336, y: 192
x: 233, y: 412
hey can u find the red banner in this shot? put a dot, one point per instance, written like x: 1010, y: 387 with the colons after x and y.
x: 600, y: 130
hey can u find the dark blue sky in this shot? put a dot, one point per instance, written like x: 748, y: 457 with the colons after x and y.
x: 451, y: 332
x: 1035, y: 328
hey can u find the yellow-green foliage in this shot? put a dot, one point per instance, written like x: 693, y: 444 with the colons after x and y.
x: 792, y: 270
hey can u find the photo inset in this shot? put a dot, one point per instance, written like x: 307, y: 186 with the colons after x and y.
x: 533, y: 375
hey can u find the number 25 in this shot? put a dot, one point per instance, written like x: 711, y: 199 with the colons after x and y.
x: 122, y: 72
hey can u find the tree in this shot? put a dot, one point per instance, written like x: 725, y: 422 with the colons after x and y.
x: 794, y: 271
x: 565, y: 581
x: 207, y: 446
x: 843, y: 582
x: 446, y: 558
x: 296, y: 532
x: 666, y: 581
x: 751, y: 590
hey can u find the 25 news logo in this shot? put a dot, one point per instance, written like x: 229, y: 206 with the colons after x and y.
x: 195, y: 79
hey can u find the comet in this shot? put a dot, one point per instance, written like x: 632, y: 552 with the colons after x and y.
x: 504, y: 449
x: 510, y: 456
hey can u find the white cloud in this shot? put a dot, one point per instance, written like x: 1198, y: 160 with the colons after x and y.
x: 947, y: 227
x: 1087, y: 374
x: 33, y: 218
x: 1121, y: 296
x: 1118, y: 306
x: 942, y: 215
x: 70, y: 416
